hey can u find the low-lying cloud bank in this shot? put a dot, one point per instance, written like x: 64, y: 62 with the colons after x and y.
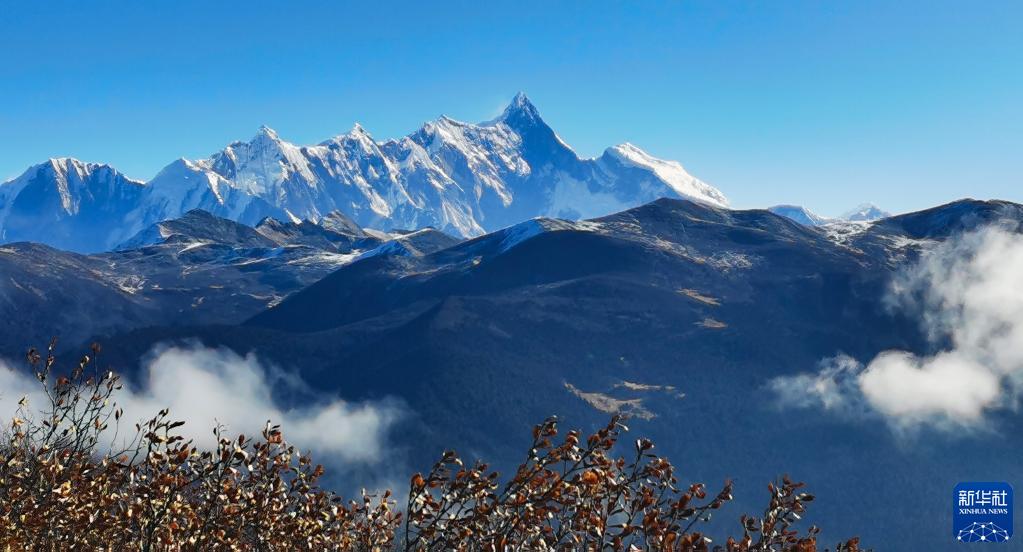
x: 204, y: 387
x: 968, y: 295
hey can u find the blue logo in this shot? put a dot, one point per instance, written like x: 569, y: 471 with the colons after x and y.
x: 982, y: 512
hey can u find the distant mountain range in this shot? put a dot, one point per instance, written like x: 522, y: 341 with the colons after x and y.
x: 863, y: 213
x: 461, y: 178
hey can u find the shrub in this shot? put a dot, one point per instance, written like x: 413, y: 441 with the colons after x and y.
x: 59, y: 490
x: 575, y: 495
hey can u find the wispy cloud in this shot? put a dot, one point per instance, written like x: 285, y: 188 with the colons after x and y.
x: 968, y: 297
x: 204, y: 387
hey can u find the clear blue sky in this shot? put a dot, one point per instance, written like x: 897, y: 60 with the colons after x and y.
x: 827, y: 104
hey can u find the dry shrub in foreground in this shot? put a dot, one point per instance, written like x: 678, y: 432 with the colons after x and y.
x: 63, y: 487
x: 575, y: 495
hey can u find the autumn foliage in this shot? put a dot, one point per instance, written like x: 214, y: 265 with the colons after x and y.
x: 574, y: 494
x: 69, y: 479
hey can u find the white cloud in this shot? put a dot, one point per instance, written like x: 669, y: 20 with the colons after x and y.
x: 968, y: 294
x: 203, y: 387
x: 914, y: 389
x: 15, y: 384
x: 832, y: 386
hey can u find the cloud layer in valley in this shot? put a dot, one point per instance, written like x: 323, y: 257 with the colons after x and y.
x: 968, y: 295
x: 204, y: 387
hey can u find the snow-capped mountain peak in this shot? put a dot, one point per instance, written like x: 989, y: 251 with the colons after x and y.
x: 520, y: 112
x: 862, y: 213
x: 64, y: 166
x: 358, y: 131
x: 799, y: 214
x: 458, y: 177
x: 357, y: 137
x: 521, y: 103
x: 866, y: 212
x: 262, y: 164
x: 670, y: 172
x: 266, y: 133
x: 67, y: 203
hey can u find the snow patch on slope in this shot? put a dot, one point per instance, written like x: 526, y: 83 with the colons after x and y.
x: 841, y: 232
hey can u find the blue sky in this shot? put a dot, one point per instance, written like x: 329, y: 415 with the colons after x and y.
x: 826, y: 104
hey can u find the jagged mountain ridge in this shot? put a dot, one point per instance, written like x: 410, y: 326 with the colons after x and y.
x: 462, y: 178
